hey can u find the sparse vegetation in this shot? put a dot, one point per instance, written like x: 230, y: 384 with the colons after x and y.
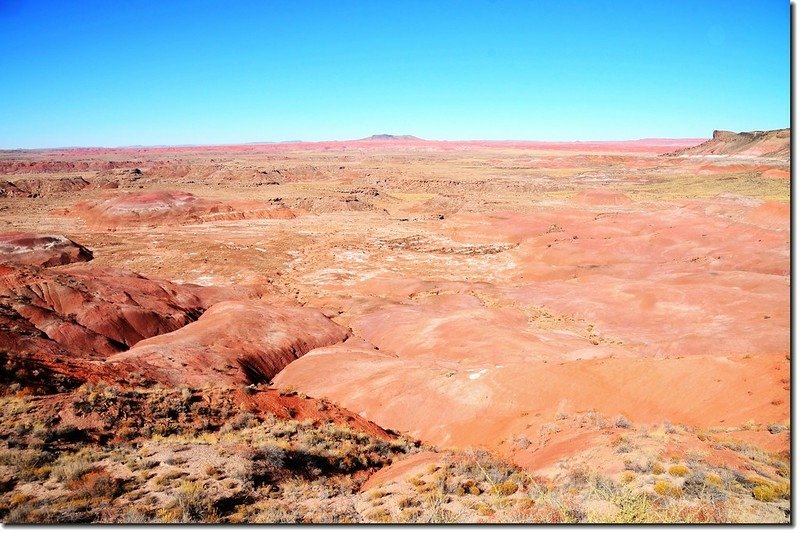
x: 261, y: 468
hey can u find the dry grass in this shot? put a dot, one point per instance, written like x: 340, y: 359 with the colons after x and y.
x: 679, y: 470
x: 284, y: 471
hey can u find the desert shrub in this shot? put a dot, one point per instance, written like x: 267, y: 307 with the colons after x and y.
x: 138, y: 514
x: 20, y: 514
x: 71, y: 467
x: 241, y: 421
x: 377, y: 494
x: 96, y: 484
x: 522, y: 442
x: 750, y: 425
x: 379, y: 515
x: 625, y: 447
x: 29, y: 464
x: 407, y: 501
x: 769, y: 492
x: 169, y: 514
x: 764, y: 493
x: 410, y: 515
x: 666, y: 488
x: 696, y: 484
x: 168, y: 477
x: 621, y: 422
x: 628, y: 476
x: 505, y: 488
x: 416, y: 481
x: 467, y: 487
x: 267, y: 465
x: 679, y: 470
x: 193, y: 502
x: 658, y: 469
x: 577, y: 478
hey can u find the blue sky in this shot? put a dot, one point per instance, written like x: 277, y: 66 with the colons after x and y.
x: 112, y: 73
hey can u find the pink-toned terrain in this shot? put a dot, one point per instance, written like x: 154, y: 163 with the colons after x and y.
x: 466, y: 294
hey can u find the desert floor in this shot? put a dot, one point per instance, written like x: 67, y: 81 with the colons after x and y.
x: 549, y: 303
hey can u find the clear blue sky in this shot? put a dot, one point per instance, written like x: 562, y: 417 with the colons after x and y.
x: 111, y: 73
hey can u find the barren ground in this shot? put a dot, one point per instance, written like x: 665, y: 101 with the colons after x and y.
x: 537, y: 301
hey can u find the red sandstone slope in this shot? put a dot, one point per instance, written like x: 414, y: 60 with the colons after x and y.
x: 233, y: 343
x: 94, y: 312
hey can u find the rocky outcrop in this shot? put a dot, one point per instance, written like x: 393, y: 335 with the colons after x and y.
x: 41, y: 250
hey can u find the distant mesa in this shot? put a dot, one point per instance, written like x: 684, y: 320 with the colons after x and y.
x: 388, y: 137
x: 772, y: 143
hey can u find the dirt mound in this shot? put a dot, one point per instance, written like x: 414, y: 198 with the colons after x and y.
x: 41, y: 250
x: 232, y: 343
x: 772, y: 143
x: 772, y: 215
x: 601, y: 197
x: 329, y: 204
x: 776, y: 173
x: 163, y: 207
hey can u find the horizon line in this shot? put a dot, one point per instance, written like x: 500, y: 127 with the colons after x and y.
x: 396, y: 139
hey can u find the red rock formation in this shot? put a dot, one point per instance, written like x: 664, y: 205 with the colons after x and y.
x: 163, y: 207
x: 93, y: 312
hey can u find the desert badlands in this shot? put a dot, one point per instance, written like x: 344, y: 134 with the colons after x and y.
x: 397, y: 330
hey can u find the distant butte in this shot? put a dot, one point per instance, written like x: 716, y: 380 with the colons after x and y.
x: 388, y: 137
